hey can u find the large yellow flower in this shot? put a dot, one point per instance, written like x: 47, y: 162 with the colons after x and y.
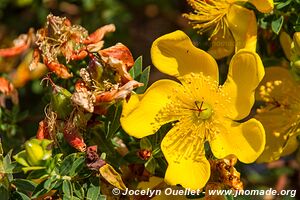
x: 200, y: 109
x: 280, y: 114
x: 232, y: 26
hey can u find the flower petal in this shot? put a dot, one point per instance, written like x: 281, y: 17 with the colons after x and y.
x: 291, y: 145
x: 278, y: 142
x: 288, y: 84
x: 222, y: 44
x: 264, y: 6
x: 243, y: 26
x: 175, y: 55
x: 185, y: 155
x: 245, y: 72
x: 139, y: 113
x: 244, y: 140
x: 286, y: 44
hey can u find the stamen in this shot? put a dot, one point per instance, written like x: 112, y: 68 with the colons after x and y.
x: 209, y: 15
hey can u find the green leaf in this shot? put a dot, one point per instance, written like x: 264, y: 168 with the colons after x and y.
x: 77, y: 166
x: 26, y: 169
x: 39, y: 190
x: 277, y: 24
x: 283, y: 4
x: 144, y: 79
x: 38, y: 174
x: 1, y: 149
x: 145, y: 144
x: 71, y: 165
x: 113, y: 122
x: 136, y: 70
x: 93, y: 192
x: 78, y: 190
x: 50, y: 183
x: 132, y: 157
x: 150, y: 165
x: 67, y: 189
x: 22, y: 196
x: 24, y: 185
x: 157, y: 153
x: 21, y: 158
x: 4, y: 192
x: 229, y: 197
x: 7, y: 160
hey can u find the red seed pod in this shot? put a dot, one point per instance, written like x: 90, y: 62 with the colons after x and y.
x: 43, y: 132
x: 73, y: 137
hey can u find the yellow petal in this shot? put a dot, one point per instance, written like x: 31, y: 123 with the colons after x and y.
x: 286, y: 42
x: 138, y: 117
x: 278, y: 143
x: 245, y: 72
x: 278, y: 73
x: 222, y: 44
x: 243, y: 26
x: 244, y: 140
x: 264, y: 6
x: 288, y: 84
x: 291, y: 145
x: 175, y: 55
x: 187, y: 163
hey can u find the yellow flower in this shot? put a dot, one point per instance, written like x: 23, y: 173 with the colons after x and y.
x: 200, y: 109
x: 232, y: 26
x: 280, y: 114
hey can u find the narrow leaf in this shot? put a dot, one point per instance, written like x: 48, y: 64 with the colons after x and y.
x: 150, y: 165
x: 22, y: 196
x: 277, y: 24
x: 113, y: 123
x: 93, y: 192
x: 137, y: 67
x: 136, y: 70
x: 144, y: 79
x: 67, y: 189
x: 24, y: 185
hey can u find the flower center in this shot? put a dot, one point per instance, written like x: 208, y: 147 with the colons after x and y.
x: 196, y: 109
x: 203, y: 110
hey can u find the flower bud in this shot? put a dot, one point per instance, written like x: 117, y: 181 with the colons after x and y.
x: 34, y: 153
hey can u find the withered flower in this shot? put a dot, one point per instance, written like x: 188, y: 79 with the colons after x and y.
x: 59, y: 38
x: 7, y: 90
